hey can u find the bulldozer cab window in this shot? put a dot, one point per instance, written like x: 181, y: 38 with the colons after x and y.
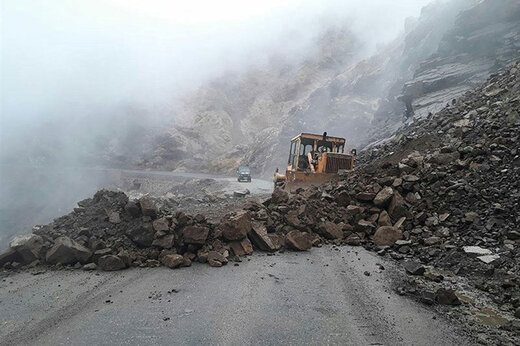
x: 292, y: 153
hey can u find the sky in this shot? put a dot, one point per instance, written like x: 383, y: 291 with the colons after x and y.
x: 86, y: 58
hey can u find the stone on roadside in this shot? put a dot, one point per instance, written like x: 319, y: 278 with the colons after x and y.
x: 446, y: 297
x: 261, y: 239
x: 383, y: 197
x: 196, y: 235
x: 67, y: 251
x: 330, y: 230
x: 161, y: 225
x: 414, y: 268
x: 279, y: 196
x: 90, y: 266
x: 216, y: 259
x: 242, y: 247
x: 148, y: 207
x: 165, y: 242
x: 300, y: 241
x: 384, y: 219
x: 386, y: 235
x: 236, y: 227
x: 111, y: 263
x: 172, y: 260
x: 28, y: 246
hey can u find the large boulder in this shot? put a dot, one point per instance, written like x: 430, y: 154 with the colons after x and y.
x: 387, y: 235
x: 148, y: 207
x: 261, y: 239
x: 67, y: 251
x: 330, y: 230
x: 299, y: 241
x: 111, y: 263
x: 196, y: 235
x: 236, y: 227
x: 383, y: 197
x: 28, y: 246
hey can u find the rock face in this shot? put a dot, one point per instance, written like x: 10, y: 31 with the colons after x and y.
x: 67, y: 251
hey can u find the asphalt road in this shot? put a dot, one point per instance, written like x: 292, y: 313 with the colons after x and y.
x: 318, y: 297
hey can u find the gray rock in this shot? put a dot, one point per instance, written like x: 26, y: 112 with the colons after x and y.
x: 111, y: 263
x: 67, y: 251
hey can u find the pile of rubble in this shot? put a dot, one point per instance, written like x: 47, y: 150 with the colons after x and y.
x: 111, y: 232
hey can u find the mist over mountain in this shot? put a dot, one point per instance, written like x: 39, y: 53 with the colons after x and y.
x: 249, y: 117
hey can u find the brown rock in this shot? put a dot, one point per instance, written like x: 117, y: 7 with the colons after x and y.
x: 396, y: 209
x: 330, y: 230
x: 342, y: 198
x: 216, y: 259
x: 196, y: 235
x: 242, y: 247
x: 354, y: 210
x: 383, y: 197
x: 236, y: 227
x: 293, y: 219
x: 172, y: 260
x: 260, y: 238
x: 279, y: 196
x: 165, y: 242
x: 364, y: 226
x: 384, y: 219
x: 365, y: 196
x: 386, y: 235
x: 299, y: 241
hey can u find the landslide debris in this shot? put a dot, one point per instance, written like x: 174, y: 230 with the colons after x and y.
x: 443, y: 194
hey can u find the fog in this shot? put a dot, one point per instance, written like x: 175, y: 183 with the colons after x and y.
x: 63, y: 60
x: 78, y: 77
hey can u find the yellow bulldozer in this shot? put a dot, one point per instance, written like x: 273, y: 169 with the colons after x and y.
x: 314, y: 160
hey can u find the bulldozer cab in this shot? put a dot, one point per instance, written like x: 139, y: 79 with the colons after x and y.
x: 318, y: 154
x: 313, y: 160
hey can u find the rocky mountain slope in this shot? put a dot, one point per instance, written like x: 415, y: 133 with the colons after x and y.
x: 249, y: 118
